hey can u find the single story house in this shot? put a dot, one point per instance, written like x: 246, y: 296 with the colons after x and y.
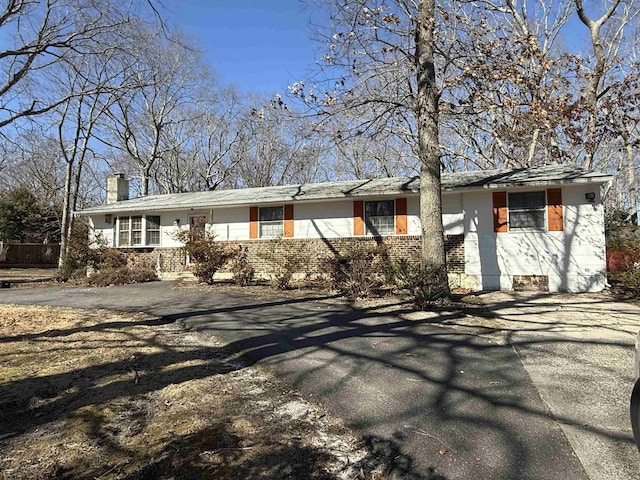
x: 509, y: 229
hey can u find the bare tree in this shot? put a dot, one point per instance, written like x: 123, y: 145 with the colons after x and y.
x: 163, y: 77
x: 43, y: 34
x: 204, y: 160
x: 276, y: 147
x: 593, y: 93
x: 92, y: 86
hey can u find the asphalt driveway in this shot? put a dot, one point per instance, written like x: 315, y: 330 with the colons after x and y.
x: 441, y: 396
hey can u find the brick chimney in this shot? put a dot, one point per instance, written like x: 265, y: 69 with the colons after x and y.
x: 117, y: 188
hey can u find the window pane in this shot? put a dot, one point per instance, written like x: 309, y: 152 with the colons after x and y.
x: 153, y: 237
x: 136, y: 237
x: 136, y: 223
x: 381, y: 225
x: 269, y: 214
x: 123, y: 238
x: 383, y: 208
x: 124, y: 223
x: 527, y: 219
x: 527, y: 210
x: 153, y: 222
x: 526, y: 200
x: 153, y: 230
x: 379, y: 217
x: 271, y: 229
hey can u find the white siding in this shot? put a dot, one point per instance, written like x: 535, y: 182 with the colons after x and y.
x: 572, y: 259
x: 327, y: 219
x: 231, y: 223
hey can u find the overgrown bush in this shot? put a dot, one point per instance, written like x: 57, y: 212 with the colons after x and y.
x: 357, y: 272
x: 623, y: 252
x: 425, y: 285
x: 628, y: 281
x: 121, y: 276
x: 109, y: 258
x: 207, y: 255
x: 113, y: 267
x: 284, y: 259
x: 240, y: 267
x: 81, y: 253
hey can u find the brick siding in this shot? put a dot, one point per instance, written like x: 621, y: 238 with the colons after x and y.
x: 315, y: 251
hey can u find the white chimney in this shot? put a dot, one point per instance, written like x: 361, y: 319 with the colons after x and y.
x: 117, y: 188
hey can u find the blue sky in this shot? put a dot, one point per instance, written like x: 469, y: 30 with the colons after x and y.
x: 265, y: 45
x: 258, y: 45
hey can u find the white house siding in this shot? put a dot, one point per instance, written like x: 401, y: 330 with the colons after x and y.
x: 573, y: 260
x: 100, y: 231
x: 323, y: 220
x: 328, y: 219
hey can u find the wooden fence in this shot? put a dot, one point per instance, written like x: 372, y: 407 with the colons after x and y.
x: 28, y: 254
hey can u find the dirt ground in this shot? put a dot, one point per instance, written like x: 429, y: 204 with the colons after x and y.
x: 102, y: 395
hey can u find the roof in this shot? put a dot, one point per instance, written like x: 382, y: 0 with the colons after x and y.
x: 481, y: 179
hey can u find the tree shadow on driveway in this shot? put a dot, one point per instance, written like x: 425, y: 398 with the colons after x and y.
x: 438, y: 400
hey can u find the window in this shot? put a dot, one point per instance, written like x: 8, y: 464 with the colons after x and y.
x: 138, y: 231
x: 153, y: 230
x: 124, y: 231
x: 271, y: 222
x: 527, y: 210
x: 379, y: 217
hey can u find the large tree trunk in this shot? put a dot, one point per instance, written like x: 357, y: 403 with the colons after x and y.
x: 433, y: 253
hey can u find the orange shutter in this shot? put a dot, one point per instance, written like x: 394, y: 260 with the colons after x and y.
x: 358, y: 217
x: 500, y: 216
x: 288, y: 221
x: 253, y: 222
x: 401, y: 216
x: 554, y: 209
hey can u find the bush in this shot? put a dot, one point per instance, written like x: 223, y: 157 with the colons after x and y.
x: 207, y: 255
x: 357, y: 272
x: 284, y: 260
x: 122, y: 276
x: 628, y: 281
x: 425, y: 285
x: 241, y: 269
x: 81, y: 253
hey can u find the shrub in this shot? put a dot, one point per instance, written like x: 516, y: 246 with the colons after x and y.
x: 81, y: 253
x: 122, y: 276
x: 357, y: 272
x: 425, y: 285
x: 110, y: 258
x: 241, y: 269
x: 207, y: 255
x: 284, y: 259
x: 628, y: 281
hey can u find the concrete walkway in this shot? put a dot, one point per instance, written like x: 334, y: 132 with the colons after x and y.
x: 443, y: 396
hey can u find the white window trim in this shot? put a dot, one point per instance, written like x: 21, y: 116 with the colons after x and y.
x: 367, y: 231
x: 143, y: 243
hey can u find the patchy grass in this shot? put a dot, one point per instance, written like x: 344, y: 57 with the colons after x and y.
x: 99, y: 394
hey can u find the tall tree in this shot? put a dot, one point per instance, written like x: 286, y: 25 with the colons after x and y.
x: 40, y: 35
x: 593, y: 92
x: 433, y: 253
x: 163, y: 77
